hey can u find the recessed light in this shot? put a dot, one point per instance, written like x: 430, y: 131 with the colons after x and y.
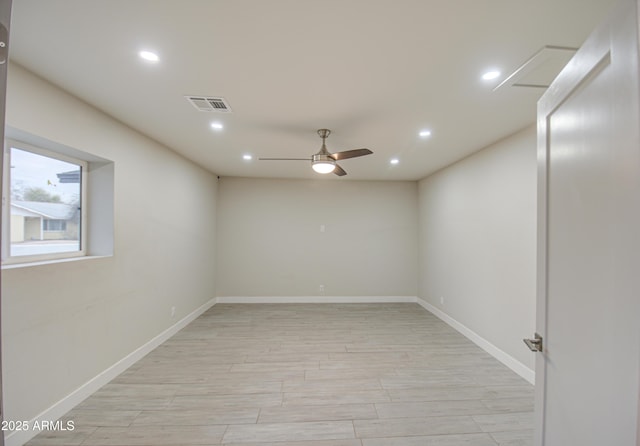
x: 216, y: 126
x: 247, y: 157
x: 424, y: 133
x: 394, y: 161
x: 149, y: 56
x: 490, y: 75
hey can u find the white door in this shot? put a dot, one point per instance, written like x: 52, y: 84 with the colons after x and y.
x: 588, y: 309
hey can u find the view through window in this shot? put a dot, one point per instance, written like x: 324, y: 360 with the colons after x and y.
x: 45, y: 202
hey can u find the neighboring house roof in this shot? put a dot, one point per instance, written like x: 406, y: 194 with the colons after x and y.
x: 52, y: 211
x: 73, y: 176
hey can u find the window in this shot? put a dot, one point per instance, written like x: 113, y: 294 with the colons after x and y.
x: 54, y: 225
x: 43, y: 204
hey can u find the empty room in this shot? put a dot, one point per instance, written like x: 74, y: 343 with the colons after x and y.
x: 320, y: 223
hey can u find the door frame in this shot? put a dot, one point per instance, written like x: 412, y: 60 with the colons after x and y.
x: 5, y: 19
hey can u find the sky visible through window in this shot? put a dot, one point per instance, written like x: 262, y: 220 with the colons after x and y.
x: 30, y: 170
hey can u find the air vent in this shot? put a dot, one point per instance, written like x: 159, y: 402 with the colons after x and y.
x: 209, y: 104
x: 541, y: 68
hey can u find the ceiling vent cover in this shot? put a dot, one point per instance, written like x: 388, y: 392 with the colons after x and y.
x: 541, y: 68
x: 209, y: 104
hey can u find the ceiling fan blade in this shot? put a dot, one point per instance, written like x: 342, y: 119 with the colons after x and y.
x: 284, y: 159
x: 339, y: 171
x: 350, y: 154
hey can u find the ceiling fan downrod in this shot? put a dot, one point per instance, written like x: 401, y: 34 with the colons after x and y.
x: 324, y: 134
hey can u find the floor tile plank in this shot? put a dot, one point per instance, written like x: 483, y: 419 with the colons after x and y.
x: 317, y: 413
x: 408, y: 427
x: 433, y: 440
x: 315, y: 430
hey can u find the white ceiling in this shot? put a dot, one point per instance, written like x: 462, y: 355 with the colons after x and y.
x: 375, y: 72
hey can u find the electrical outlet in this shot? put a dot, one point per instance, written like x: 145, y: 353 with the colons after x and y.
x: 321, y: 289
x: 173, y: 311
x: 441, y: 300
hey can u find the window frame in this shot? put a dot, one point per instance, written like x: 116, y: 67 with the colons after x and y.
x: 7, y: 258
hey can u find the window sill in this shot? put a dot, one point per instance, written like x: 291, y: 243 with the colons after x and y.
x: 6, y: 266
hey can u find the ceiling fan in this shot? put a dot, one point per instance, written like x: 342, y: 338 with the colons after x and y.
x: 325, y: 161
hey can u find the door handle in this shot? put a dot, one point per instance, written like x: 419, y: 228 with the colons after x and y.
x: 535, y: 344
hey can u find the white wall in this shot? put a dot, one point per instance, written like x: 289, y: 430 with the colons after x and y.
x: 477, y: 238
x: 64, y: 323
x: 270, y: 244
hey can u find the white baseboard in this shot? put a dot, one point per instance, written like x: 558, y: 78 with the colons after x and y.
x: 18, y: 438
x: 508, y: 360
x: 314, y: 299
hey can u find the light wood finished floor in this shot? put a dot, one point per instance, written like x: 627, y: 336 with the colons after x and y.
x: 309, y: 375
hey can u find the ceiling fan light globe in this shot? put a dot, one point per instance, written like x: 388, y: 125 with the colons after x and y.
x: 323, y: 166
